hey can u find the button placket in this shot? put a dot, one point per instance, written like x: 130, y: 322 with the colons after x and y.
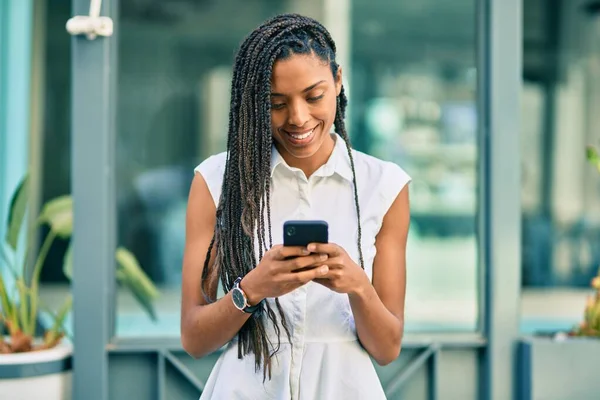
x: 305, y: 194
x: 300, y: 296
x: 298, y: 338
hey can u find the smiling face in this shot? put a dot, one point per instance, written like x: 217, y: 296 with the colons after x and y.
x: 303, y: 107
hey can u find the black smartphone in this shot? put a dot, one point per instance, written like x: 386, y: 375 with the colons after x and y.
x: 302, y: 233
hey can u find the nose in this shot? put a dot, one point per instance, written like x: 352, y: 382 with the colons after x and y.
x: 298, y: 114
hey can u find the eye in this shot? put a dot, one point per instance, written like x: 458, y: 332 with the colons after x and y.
x: 315, y: 99
x: 277, y: 106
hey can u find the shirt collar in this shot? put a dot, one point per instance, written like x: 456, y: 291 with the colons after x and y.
x: 338, y: 163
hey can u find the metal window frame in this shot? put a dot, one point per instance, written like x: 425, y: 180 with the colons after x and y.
x: 500, y: 63
x: 93, y: 187
x: 498, y: 52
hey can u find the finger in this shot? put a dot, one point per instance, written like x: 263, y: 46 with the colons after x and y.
x: 308, y: 275
x: 333, y: 262
x: 283, y: 252
x: 299, y: 263
x: 333, y: 250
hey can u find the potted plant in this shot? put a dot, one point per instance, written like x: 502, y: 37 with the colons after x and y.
x: 590, y: 325
x: 563, y: 365
x: 35, y: 360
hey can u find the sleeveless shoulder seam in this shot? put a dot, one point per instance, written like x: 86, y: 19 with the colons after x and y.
x: 393, y: 180
x: 212, y: 170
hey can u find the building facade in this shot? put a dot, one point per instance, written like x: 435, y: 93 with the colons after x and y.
x: 471, y: 97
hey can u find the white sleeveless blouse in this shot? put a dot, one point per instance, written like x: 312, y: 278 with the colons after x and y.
x: 325, y: 359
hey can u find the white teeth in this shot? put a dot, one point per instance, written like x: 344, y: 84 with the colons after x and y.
x: 303, y: 136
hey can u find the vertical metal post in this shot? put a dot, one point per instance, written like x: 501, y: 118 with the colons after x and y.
x: 500, y: 71
x: 553, y: 26
x: 337, y: 17
x: 93, y: 188
x: 162, y: 376
x: 433, y: 367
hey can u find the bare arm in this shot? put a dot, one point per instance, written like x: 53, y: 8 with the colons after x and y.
x: 379, y: 308
x: 204, y: 328
x: 207, y: 327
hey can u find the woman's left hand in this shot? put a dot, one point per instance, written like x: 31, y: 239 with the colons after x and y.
x: 344, y: 276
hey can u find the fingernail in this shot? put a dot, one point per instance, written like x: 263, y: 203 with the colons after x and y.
x: 305, y: 252
x: 323, y: 270
x: 311, y: 247
x: 323, y: 257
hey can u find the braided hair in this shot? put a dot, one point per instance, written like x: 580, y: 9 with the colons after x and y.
x: 243, y: 213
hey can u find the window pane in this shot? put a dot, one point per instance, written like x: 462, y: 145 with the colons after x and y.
x: 413, y: 98
x: 561, y: 211
x: 411, y: 79
x: 175, y: 65
x: 52, y: 100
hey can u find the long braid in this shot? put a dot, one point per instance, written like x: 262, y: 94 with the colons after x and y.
x: 243, y: 217
x: 340, y: 128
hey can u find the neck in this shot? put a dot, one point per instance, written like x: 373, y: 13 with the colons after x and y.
x: 310, y: 164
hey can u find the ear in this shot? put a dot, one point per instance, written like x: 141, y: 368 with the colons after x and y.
x: 338, y: 81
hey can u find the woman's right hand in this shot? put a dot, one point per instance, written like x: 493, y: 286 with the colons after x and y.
x: 281, y: 270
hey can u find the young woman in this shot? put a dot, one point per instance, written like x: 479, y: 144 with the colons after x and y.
x: 298, y: 323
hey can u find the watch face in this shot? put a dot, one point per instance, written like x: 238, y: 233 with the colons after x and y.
x: 238, y: 298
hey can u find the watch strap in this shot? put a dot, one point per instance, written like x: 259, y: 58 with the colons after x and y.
x: 252, y: 309
x: 248, y: 309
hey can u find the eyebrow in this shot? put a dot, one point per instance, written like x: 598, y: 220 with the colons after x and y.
x: 308, y: 89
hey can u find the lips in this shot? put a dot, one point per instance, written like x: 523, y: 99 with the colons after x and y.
x: 300, y: 137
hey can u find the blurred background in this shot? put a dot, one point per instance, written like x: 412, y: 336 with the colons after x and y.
x: 411, y: 73
x: 412, y: 90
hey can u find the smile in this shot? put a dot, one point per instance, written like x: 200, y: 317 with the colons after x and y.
x: 301, y: 138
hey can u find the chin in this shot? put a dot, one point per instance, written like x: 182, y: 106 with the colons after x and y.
x: 305, y: 152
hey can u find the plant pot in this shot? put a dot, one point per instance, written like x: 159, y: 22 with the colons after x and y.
x: 552, y: 369
x: 43, y: 374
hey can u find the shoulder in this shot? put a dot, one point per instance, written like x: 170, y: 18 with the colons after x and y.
x: 212, y: 170
x: 379, y: 185
x: 374, y: 171
x: 214, y: 164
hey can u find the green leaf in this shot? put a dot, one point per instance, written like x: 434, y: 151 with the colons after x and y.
x: 68, y: 262
x: 35, y: 278
x: 131, y: 276
x: 7, y: 306
x: 137, y: 292
x: 23, y: 307
x: 16, y: 213
x: 131, y: 267
x: 59, y: 320
x: 9, y: 263
x: 592, y: 156
x: 58, y: 214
